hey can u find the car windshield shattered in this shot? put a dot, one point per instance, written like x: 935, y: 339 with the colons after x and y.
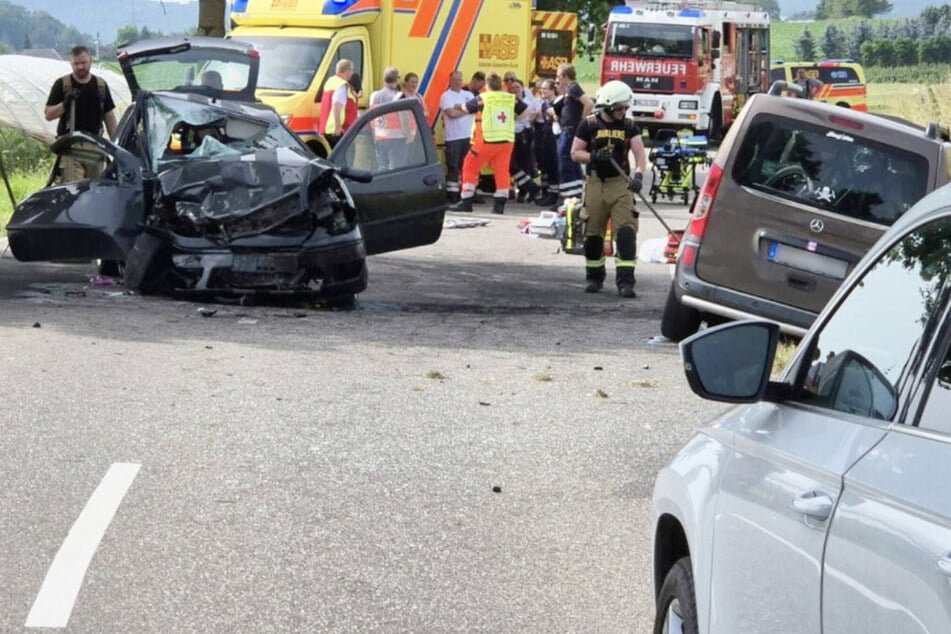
x: 834, y: 171
x: 225, y: 175
x: 182, y: 130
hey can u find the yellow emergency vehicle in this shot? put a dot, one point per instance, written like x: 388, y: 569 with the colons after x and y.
x: 300, y: 42
x: 843, y: 80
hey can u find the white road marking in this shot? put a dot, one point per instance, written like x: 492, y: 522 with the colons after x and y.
x: 54, y: 603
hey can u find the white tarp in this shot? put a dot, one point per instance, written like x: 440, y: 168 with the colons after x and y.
x: 25, y: 84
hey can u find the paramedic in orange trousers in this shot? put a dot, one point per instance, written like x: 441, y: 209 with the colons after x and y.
x: 493, y: 137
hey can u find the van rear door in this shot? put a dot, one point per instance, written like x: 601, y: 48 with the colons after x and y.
x: 804, y: 196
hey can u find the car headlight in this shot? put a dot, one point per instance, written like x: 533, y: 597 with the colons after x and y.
x: 688, y: 105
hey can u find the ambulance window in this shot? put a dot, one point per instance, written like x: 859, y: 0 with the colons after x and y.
x: 354, y: 52
x: 704, y: 35
x: 838, y: 75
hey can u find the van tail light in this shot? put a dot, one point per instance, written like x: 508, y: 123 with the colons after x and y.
x: 698, y: 218
x: 704, y: 205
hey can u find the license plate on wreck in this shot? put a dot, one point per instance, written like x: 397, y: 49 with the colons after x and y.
x: 245, y: 263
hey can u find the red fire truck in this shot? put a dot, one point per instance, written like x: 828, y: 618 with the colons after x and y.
x: 691, y: 64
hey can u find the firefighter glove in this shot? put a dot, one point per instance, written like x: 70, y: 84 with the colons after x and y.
x: 601, y: 157
x: 637, y: 181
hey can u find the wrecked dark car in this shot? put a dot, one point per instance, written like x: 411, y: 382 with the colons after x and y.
x: 206, y: 191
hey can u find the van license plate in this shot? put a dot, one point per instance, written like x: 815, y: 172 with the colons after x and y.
x: 807, y: 260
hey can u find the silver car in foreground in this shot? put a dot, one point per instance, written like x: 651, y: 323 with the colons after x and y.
x: 822, y: 502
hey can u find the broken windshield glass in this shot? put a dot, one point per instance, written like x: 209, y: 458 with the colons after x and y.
x: 179, y: 129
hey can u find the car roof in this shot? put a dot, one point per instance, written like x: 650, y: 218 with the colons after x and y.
x: 190, y: 54
x: 779, y: 105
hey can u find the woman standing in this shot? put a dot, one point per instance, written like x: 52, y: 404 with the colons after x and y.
x: 410, y: 90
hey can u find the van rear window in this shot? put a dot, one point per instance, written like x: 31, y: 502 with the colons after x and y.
x: 839, y: 172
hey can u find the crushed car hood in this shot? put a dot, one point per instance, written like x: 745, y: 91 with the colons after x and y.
x: 236, y: 197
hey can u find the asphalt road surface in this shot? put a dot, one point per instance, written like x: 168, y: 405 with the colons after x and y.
x: 471, y: 448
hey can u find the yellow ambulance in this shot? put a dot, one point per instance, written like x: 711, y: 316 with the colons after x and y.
x: 843, y: 80
x: 300, y: 42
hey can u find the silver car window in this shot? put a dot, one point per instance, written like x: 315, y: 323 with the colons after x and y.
x: 862, y: 354
x: 936, y: 414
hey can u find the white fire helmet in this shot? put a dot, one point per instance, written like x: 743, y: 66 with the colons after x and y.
x: 612, y: 93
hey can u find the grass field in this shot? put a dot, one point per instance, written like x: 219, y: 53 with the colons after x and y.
x: 22, y: 185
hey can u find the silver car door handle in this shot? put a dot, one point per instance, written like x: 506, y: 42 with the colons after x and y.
x: 815, y: 505
x: 944, y: 564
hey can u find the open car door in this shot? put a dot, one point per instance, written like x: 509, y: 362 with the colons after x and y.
x: 404, y: 205
x: 95, y: 216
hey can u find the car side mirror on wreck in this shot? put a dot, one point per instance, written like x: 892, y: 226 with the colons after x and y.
x: 356, y: 174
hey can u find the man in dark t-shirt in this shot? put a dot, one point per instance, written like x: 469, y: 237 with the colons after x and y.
x: 574, y: 107
x: 82, y: 103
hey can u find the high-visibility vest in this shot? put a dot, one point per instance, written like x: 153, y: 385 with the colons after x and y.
x: 497, y: 117
x: 327, y: 124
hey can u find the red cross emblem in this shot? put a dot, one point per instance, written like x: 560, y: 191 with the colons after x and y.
x: 501, y: 117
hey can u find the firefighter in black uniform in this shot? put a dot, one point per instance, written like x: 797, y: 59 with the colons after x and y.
x: 602, y: 140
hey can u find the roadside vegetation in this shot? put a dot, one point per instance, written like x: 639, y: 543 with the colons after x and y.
x: 27, y: 163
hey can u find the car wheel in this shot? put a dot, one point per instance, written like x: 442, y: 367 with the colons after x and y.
x: 676, y: 605
x: 678, y: 321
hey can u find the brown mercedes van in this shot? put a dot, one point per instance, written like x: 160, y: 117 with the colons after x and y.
x: 798, y: 192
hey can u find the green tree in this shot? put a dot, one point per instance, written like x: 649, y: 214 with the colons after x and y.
x: 771, y: 7
x: 878, y: 53
x: 27, y: 44
x: 859, y: 35
x: 906, y: 52
x: 805, y: 46
x: 824, y: 10
x: 935, y: 50
x: 865, y: 8
x: 835, y: 43
x: 127, y: 35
